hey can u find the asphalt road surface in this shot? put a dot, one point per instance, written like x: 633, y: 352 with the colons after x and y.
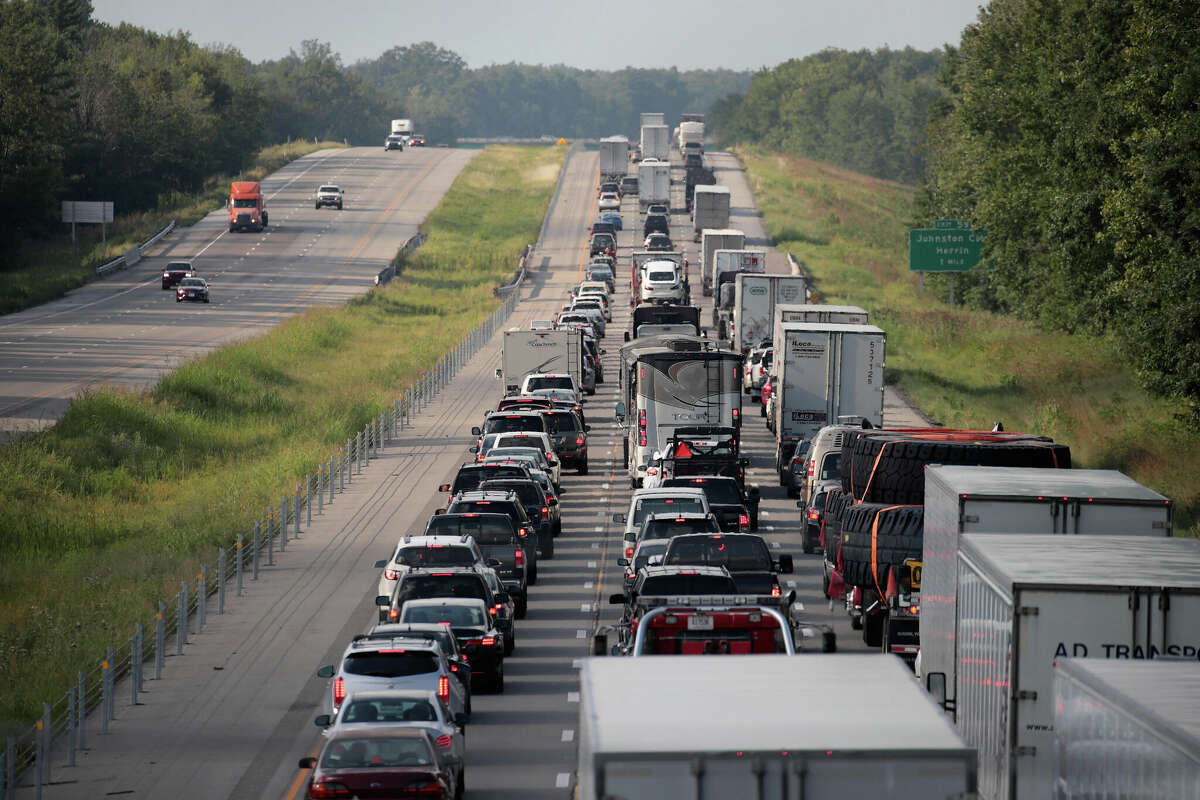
x: 232, y: 716
x: 126, y: 330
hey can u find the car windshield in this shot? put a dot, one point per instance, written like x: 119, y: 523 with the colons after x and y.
x: 328, y: 189
x: 666, y: 528
x: 526, y: 490
x: 600, y: 273
x: 831, y: 466
x: 562, y: 422
x: 178, y: 265
x: 688, y: 584
x: 396, y: 663
x: 719, y: 491
x: 646, y: 551
x: 483, y: 528
x: 507, y: 424
x: 376, y: 752
x: 665, y: 505
x: 423, y: 587
x: 457, y: 616
x: 399, y: 709
x: 562, y: 382
x: 735, y: 553
x: 668, y: 277
x: 436, y: 555
x: 519, y: 442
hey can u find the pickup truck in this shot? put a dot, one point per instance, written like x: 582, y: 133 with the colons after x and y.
x: 745, y: 555
x: 328, y: 195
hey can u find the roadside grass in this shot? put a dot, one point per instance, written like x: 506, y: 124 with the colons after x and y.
x: 970, y: 368
x: 44, y: 269
x: 106, y: 512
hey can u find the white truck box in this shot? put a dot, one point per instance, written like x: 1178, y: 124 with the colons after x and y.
x: 540, y: 351
x: 654, y: 184
x: 755, y: 298
x: 614, y: 156
x: 656, y: 142
x: 960, y: 499
x: 812, y: 312
x: 1126, y: 728
x: 402, y: 127
x: 711, y: 240
x: 765, y: 727
x: 822, y: 371
x: 1025, y: 600
x: 710, y: 208
x: 691, y: 133
x: 652, y: 118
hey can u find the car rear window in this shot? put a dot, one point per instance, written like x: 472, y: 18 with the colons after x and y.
x: 390, y: 663
x: 437, y: 556
x: 688, y: 584
x: 528, y: 491
x: 469, y: 478
x: 661, y: 276
x: 400, y: 709
x: 564, y: 382
x: 666, y: 528
x: 457, y: 616
x: 510, y: 424
x: 720, y: 492
x: 561, y: 421
x: 484, y: 529
x: 645, y: 551
x: 421, y: 587
x: 737, y: 553
x: 485, y: 507
x: 517, y: 440
x: 375, y: 752
x: 666, y: 505
x: 831, y: 466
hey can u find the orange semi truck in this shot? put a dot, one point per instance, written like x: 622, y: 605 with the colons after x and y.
x: 247, y: 207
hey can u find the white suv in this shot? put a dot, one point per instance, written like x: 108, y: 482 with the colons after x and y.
x: 662, y: 283
x: 551, y: 380
x: 427, y: 551
x: 660, y: 501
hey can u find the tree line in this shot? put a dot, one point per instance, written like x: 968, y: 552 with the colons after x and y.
x: 864, y: 110
x: 1070, y: 129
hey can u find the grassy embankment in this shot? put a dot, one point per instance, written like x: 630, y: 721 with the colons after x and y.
x: 103, y: 514
x: 45, y: 269
x: 968, y: 368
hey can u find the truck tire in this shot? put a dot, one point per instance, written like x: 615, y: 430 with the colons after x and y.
x: 547, y: 549
x: 877, y: 538
x: 317, y: 205
x: 339, y: 206
x: 582, y: 468
x: 265, y: 223
x: 872, y: 629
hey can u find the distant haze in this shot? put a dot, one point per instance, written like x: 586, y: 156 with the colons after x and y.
x: 701, y: 34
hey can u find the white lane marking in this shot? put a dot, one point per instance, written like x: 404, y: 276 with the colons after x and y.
x: 572, y: 697
x: 577, y: 663
x: 568, y: 735
x: 580, y: 634
x: 601, y: 513
x: 589, y: 585
x: 585, y: 607
x: 562, y: 780
x: 595, y: 545
x: 770, y: 527
x: 592, y: 564
x: 776, y: 545
x: 764, y: 513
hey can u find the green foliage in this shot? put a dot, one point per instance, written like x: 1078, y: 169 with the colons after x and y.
x: 861, y: 110
x: 1070, y: 132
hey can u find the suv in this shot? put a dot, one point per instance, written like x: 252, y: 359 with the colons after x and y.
x: 550, y: 380
x: 430, y: 633
x: 661, y: 501
x: 474, y: 628
x: 537, y: 505
x: 629, y: 184
x: 328, y: 195
x: 471, y: 475
x: 570, y: 438
x: 398, y: 663
x: 534, y: 458
x: 175, y: 271
x: 745, y: 555
x: 427, y: 551
x: 824, y: 458
x: 442, y: 582
x: 602, y: 243
x: 656, y: 223
x: 663, y: 527
x: 658, y: 208
x: 480, y: 502
x: 734, y: 510
x: 497, y: 539
x: 394, y: 143
x: 814, y: 515
x: 511, y: 422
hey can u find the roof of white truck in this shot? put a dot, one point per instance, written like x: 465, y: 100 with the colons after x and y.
x: 1163, y: 694
x: 711, y: 188
x: 819, y: 307
x: 758, y: 704
x: 829, y: 327
x: 1035, y: 559
x: 1103, y: 484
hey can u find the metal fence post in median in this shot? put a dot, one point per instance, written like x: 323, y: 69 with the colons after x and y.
x: 201, y: 597
x: 221, y: 582
x: 160, y: 649
x: 43, y: 759
x: 10, y: 767
x: 270, y: 537
x: 330, y: 479
x: 320, y: 490
x: 240, y: 546
x: 105, y: 671
x: 308, y: 489
x: 254, y: 552
x: 72, y: 722
x: 182, y: 620
x: 283, y: 524
x: 135, y: 666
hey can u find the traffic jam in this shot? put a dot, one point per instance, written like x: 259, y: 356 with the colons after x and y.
x: 750, y: 465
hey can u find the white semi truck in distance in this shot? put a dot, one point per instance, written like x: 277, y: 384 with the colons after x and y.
x: 710, y: 209
x: 656, y: 142
x: 711, y: 240
x: 755, y: 297
x: 558, y: 351
x: 614, y: 156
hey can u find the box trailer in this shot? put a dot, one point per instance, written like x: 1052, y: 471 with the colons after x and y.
x: 656, y: 142
x: 614, y: 156
x: 654, y: 183
x: 691, y: 137
x: 710, y: 209
x: 1025, y: 600
x: 711, y: 240
x: 691, y: 118
x: 540, y: 351
x: 764, y: 727
x: 1008, y: 500
x: 755, y: 298
x: 652, y: 118
x: 1126, y: 728
x: 812, y: 312
x: 822, y: 371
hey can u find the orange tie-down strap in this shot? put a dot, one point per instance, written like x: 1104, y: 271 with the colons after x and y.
x: 874, y: 545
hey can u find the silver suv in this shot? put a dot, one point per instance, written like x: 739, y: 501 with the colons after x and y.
x: 374, y: 664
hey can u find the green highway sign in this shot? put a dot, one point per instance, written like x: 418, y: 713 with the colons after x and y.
x: 950, y: 246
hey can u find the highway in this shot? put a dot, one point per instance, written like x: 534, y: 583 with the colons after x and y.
x: 127, y: 331
x: 232, y: 716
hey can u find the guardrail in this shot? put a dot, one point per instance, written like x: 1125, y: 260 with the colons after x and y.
x: 411, y: 246
x: 133, y: 254
x: 89, y: 706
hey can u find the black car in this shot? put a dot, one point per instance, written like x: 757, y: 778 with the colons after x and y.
x: 656, y: 223
x: 192, y: 289
x: 629, y: 184
x: 496, y: 537
x: 479, y: 502
x: 745, y: 555
x: 603, y: 243
x: 471, y: 475
x: 735, y: 511
x: 604, y: 227
x: 569, y: 435
x: 541, y: 509
x: 174, y: 272
x: 814, y: 514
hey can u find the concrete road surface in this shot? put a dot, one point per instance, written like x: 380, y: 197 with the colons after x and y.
x: 126, y: 330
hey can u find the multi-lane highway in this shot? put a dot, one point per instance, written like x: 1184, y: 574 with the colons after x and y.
x: 126, y: 330
x: 232, y: 716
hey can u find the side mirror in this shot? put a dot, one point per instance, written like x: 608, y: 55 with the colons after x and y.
x: 619, y: 519
x: 587, y: 428
x: 473, y: 448
x: 460, y: 719
x: 743, y: 462
x: 616, y: 599
x: 626, y: 338
x: 935, y: 682
x: 603, y: 351
x: 323, y: 721
x: 753, y: 493
x: 828, y: 642
x: 786, y: 565
x: 325, y: 671
x: 383, y: 601
x: 380, y: 564
x: 600, y: 644
x: 445, y: 487
x: 799, y: 504
x: 551, y: 501
x: 641, y: 467
x: 550, y: 459
x: 307, y: 763
x: 493, y: 562
x: 620, y: 411
x: 499, y: 372
x: 439, y: 511
x: 622, y: 562
x: 476, y: 431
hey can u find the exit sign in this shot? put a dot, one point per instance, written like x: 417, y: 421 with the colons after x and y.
x: 950, y: 246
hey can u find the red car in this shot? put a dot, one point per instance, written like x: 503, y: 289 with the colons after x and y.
x: 388, y: 761
x: 174, y: 272
x: 416, y: 140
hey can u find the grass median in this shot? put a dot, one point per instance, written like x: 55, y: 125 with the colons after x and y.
x: 969, y: 368
x: 44, y: 269
x: 106, y: 512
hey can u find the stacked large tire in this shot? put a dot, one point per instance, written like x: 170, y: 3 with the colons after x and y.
x: 876, y: 539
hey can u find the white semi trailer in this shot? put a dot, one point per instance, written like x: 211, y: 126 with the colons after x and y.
x: 540, y: 351
x: 614, y: 156
x: 710, y: 208
x: 755, y: 298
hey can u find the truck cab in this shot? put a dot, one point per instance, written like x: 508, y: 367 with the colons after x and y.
x: 247, y: 207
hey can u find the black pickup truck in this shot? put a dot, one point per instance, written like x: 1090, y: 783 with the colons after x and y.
x: 745, y: 555
x: 735, y: 510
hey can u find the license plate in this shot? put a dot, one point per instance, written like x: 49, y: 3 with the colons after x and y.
x: 914, y: 571
x: 700, y: 622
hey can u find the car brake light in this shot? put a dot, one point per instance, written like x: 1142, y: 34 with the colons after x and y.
x: 743, y: 520
x: 443, y: 688
x: 814, y: 514
x: 629, y: 552
x: 545, y: 512
x: 642, y: 428
x: 812, y: 467
x: 430, y: 788
x: 393, y: 614
x: 579, y: 441
x: 736, y: 414
x: 775, y: 590
x: 327, y: 789
x: 523, y: 532
x: 391, y: 574
x: 488, y: 641
x: 339, y: 691
x: 519, y: 557
x: 443, y: 741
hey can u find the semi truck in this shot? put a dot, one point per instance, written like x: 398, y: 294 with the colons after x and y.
x: 711, y: 240
x: 558, y: 351
x: 820, y: 372
x: 755, y: 297
x: 614, y: 157
x: 727, y: 265
x: 1010, y: 500
x: 247, y: 206
x: 402, y: 127
x: 654, y: 183
x: 812, y: 312
x: 767, y: 727
x: 710, y: 209
x: 652, y: 118
x: 671, y: 382
x: 1027, y: 600
x: 652, y: 320
x: 656, y: 142
x: 691, y: 137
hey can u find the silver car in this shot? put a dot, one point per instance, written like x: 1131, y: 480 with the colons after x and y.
x: 401, y: 663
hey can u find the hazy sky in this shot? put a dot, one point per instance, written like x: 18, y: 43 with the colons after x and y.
x: 604, y: 34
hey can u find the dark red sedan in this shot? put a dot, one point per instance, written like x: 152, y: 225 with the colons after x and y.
x: 384, y: 762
